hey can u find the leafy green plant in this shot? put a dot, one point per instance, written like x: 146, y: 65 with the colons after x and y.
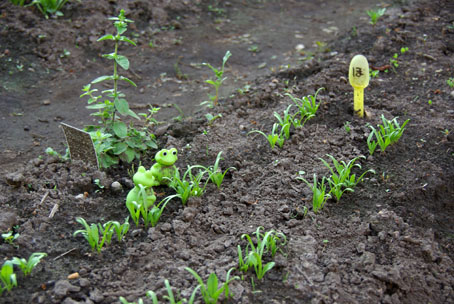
x: 375, y: 15
x: 211, y: 118
x: 18, y: 2
x: 211, y: 290
x: 215, y: 173
x: 341, y: 178
x: 48, y: 7
x: 190, y: 184
x: 273, y: 137
x: 265, y: 242
x: 373, y: 73
x: 386, y: 134
x: 170, y: 296
x: 114, y: 140
x: 10, y: 237
x: 450, y: 82
x: 120, y: 229
x: 286, y: 121
x: 217, y: 82
x: 347, y: 127
x: 92, y: 233
x: 51, y: 152
x: 7, y: 277
x: 307, y: 107
x: 28, y: 265
x: 319, y: 194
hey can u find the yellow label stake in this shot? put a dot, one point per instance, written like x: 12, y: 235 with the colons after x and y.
x: 358, y: 75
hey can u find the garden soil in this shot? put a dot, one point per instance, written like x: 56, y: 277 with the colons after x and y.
x: 388, y: 241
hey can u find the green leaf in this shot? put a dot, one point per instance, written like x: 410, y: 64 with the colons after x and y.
x: 127, y: 80
x: 133, y: 114
x: 102, y: 78
x: 122, y: 61
x: 125, y: 39
x: 130, y: 154
x: 109, y: 56
x: 96, y: 106
x: 120, y: 129
x: 106, y: 37
x: 122, y: 106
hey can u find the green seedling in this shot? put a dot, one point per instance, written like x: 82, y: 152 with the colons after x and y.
x: 341, y: 178
x: 10, y: 237
x: 374, y: 73
x: 374, y: 15
x: 450, y: 82
x: 215, y: 173
x: 7, y: 277
x: 285, y: 122
x: 211, y: 290
x: 386, y: 134
x: 28, y: 265
x: 273, y: 138
x: 267, y: 242
x: 319, y: 194
x: 48, y: 7
x: 51, y: 152
x: 92, y: 233
x: 190, y: 184
x: 113, y: 139
x: 347, y: 127
x: 211, y: 118
x: 307, y: 107
x: 154, y: 214
x: 121, y: 229
x: 18, y: 2
x: 124, y: 301
x: 217, y: 82
x: 170, y: 296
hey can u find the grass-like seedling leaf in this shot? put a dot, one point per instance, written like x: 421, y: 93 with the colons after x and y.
x: 386, y: 134
x: 211, y: 290
x: 190, y: 184
x: 307, y: 108
x: 7, y: 277
x: 47, y: 7
x: 265, y: 242
x: 92, y: 233
x: 154, y: 214
x: 170, y: 296
x: 285, y: 122
x: 121, y: 229
x: 28, y: 265
x: 215, y: 173
x: 319, y: 195
x: 274, y: 137
x: 124, y: 301
x: 342, y: 179
x: 10, y: 237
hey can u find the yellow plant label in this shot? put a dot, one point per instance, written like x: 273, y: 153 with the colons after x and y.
x: 358, y: 75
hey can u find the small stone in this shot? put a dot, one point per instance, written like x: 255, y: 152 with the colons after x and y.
x: 136, y: 232
x: 15, y: 179
x: 73, y: 276
x: 96, y: 295
x: 300, y: 47
x: 83, y: 282
x: 7, y: 220
x: 63, y: 287
x: 166, y: 227
x: 46, y: 102
x: 26, y: 128
x: 452, y: 94
x: 116, y: 187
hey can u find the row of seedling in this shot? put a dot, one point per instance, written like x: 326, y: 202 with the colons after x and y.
x: 252, y: 256
x: 307, y: 107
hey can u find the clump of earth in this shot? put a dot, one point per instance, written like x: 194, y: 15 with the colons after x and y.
x: 388, y: 241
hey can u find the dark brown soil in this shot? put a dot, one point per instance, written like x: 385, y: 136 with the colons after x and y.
x: 389, y: 241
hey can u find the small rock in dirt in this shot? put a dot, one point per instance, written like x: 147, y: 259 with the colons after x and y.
x: 7, y: 220
x: 71, y: 301
x: 136, y: 232
x: 15, y: 179
x: 237, y: 290
x: 96, y: 295
x: 83, y: 282
x: 161, y: 130
x: 360, y: 247
x: 63, y: 287
x: 46, y: 102
x: 189, y: 213
x: 166, y: 227
x: 116, y: 187
x: 452, y: 94
x: 180, y: 227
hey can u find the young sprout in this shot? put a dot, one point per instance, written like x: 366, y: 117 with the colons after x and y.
x: 285, y: 122
x: 341, y: 178
x: 386, y: 134
x: 450, y: 82
x: 319, y: 195
x: 307, y: 106
x: 10, y: 237
x: 92, y: 232
x: 211, y: 290
x: 215, y: 173
x: 216, y: 83
x: 190, y: 184
x: 7, y: 277
x: 28, y: 265
x: 375, y: 15
x: 274, y: 137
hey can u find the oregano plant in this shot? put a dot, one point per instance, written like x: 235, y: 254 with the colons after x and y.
x: 114, y: 140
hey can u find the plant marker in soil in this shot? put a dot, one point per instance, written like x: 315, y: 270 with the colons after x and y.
x: 358, y: 75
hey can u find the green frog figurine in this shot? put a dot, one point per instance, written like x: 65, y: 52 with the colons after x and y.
x: 144, y: 178
x: 164, y: 166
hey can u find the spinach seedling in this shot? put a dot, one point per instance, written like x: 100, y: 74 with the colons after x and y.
x: 120, y: 229
x: 170, y: 296
x: 341, y: 178
x: 190, y: 184
x: 92, y: 232
x: 10, y: 237
x: 47, y: 7
x: 7, y: 277
x: 28, y: 265
x: 386, y: 134
x: 374, y: 15
x: 217, y: 82
x: 285, y: 122
x: 307, y: 107
x: 211, y: 290
x: 450, y: 82
x: 274, y: 137
x: 215, y: 173
x: 319, y: 195
x: 124, y: 301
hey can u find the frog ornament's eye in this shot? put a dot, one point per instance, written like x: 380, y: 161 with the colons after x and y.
x: 164, y: 153
x: 175, y: 152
